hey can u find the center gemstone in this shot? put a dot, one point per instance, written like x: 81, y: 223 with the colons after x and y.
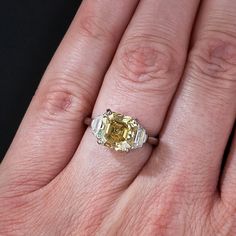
x: 119, y: 132
x: 116, y: 132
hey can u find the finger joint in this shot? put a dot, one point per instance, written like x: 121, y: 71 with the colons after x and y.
x: 212, y: 63
x: 64, y: 97
x: 150, y: 63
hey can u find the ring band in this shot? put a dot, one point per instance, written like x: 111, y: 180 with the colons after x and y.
x: 119, y: 132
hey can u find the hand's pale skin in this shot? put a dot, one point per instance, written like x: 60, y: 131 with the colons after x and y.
x: 136, y: 58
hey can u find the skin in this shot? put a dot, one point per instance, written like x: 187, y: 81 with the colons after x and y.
x: 171, y: 64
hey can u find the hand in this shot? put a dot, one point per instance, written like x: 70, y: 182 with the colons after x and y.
x: 55, y: 179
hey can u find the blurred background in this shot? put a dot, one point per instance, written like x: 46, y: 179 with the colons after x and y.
x: 30, y: 32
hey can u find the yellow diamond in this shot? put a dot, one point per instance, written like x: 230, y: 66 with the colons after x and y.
x: 118, y: 131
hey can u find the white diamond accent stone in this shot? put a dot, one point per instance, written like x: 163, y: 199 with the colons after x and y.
x: 96, y: 125
x: 140, y: 138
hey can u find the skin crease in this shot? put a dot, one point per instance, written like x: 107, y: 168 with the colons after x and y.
x: 171, y: 64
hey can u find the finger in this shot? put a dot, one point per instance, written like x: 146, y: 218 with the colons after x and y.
x: 53, y: 125
x: 203, y: 113
x: 228, y: 180
x: 140, y: 82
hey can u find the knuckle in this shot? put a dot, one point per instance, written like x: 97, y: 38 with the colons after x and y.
x: 156, y: 218
x: 92, y: 26
x: 141, y: 60
x: 213, y: 62
x: 63, y: 96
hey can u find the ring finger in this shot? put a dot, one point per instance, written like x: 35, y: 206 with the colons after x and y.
x: 140, y: 82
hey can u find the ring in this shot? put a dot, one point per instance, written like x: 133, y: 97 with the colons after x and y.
x: 119, y: 132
